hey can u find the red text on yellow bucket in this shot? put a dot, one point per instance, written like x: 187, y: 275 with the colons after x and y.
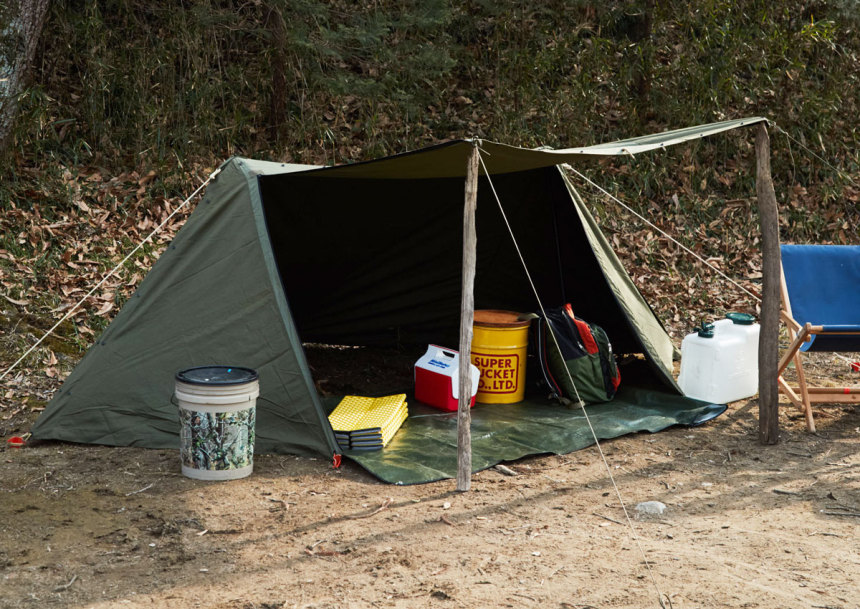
x: 499, y: 374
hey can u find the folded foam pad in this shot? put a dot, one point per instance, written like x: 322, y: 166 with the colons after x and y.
x: 364, y: 422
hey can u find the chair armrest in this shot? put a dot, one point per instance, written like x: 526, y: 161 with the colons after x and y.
x: 789, y: 321
x: 837, y: 329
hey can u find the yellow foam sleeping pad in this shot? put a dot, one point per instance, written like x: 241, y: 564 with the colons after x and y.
x: 369, y: 423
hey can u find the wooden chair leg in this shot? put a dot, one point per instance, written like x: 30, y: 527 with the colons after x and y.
x: 797, y: 341
x: 789, y: 392
x: 804, y: 392
x: 802, y: 401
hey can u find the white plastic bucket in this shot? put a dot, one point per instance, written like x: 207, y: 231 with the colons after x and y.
x: 722, y: 368
x: 217, y: 414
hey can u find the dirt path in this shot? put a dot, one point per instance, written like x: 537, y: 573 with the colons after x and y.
x: 746, y: 526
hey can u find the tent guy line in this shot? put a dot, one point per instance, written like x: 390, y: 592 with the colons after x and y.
x: 660, y: 595
x: 755, y: 296
x: 579, y: 401
x: 110, y: 274
x: 662, y: 232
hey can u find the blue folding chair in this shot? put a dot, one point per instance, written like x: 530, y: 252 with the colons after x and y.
x: 821, y: 308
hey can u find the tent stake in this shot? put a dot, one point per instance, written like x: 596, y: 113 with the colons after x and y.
x: 768, y: 351
x: 467, y: 315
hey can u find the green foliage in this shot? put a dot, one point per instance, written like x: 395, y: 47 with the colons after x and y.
x: 126, y: 83
x: 165, y: 81
x: 128, y: 80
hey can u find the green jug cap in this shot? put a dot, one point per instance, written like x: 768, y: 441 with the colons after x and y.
x: 706, y: 331
x: 742, y: 319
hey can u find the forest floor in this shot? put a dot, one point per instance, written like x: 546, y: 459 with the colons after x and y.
x: 746, y: 525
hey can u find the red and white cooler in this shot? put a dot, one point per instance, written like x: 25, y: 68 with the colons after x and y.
x: 437, y: 378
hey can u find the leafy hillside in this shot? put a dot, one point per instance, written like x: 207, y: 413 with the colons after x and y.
x: 316, y: 81
x: 134, y: 102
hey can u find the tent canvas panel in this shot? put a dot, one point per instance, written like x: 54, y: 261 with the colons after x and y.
x: 208, y: 300
x: 449, y: 158
x: 647, y: 326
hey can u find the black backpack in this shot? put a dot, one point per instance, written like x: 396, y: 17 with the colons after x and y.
x: 575, y: 351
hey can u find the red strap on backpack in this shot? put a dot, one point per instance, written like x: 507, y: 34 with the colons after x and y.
x: 584, y: 331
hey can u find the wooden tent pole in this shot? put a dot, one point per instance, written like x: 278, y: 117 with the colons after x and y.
x: 467, y: 315
x: 768, y: 351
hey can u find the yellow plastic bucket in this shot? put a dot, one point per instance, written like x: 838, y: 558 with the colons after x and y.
x: 499, y: 344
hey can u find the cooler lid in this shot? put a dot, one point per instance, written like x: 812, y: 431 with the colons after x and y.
x: 217, y: 375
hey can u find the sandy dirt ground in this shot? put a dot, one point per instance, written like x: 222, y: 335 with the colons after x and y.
x: 746, y: 525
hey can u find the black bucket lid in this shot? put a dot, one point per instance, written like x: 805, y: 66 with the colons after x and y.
x: 217, y: 375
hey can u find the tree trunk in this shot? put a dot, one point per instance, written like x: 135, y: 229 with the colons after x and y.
x: 640, y: 33
x: 278, y: 101
x: 19, y: 39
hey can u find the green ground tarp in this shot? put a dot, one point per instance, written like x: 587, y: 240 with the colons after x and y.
x: 425, y: 448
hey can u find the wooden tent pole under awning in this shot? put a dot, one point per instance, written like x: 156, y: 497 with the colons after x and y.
x: 467, y: 315
x: 768, y: 350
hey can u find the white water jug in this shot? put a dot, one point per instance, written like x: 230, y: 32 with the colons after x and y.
x: 743, y: 325
x: 720, y: 364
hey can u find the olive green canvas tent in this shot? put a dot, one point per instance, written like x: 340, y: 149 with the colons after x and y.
x: 363, y: 254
